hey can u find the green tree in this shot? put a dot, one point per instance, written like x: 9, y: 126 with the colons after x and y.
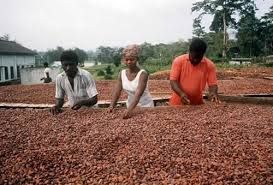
x: 91, y: 55
x: 146, y: 51
x: 215, y: 46
x: 248, y: 35
x: 266, y: 32
x: 109, y: 55
x: 109, y: 70
x: 82, y: 55
x: 53, y: 54
x: 198, y: 29
x: 117, y: 56
x: 104, y: 54
x: 223, y: 11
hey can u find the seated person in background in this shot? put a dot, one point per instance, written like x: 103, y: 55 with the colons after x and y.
x: 134, y: 81
x: 189, y: 75
x: 46, y: 78
x: 76, y: 83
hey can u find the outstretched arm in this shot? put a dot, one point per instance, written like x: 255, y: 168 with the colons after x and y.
x: 89, y: 102
x: 59, y: 95
x: 212, y: 83
x: 143, y: 79
x: 58, y: 105
x: 213, y: 94
x: 178, y: 90
x: 116, y: 93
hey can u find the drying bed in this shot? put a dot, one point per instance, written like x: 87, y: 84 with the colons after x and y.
x: 206, y: 144
x: 227, y: 73
x: 44, y: 93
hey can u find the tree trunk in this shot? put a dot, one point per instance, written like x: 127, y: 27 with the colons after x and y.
x: 225, y: 37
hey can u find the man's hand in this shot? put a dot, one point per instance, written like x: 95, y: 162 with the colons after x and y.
x: 110, y: 109
x: 55, y: 110
x: 213, y: 94
x: 184, y: 99
x: 77, y: 105
x: 215, y: 98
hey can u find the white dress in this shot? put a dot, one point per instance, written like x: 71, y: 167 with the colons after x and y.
x: 131, y: 86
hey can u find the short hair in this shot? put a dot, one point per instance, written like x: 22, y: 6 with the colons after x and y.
x: 198, y: 46
x: 69, y: 55
x: 45, y: 64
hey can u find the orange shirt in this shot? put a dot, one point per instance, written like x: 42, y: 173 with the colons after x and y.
x: 192, y: 79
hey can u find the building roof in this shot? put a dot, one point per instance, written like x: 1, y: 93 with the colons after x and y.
x: 13, y: 48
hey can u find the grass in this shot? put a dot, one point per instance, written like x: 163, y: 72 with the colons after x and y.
x: 94, y: 70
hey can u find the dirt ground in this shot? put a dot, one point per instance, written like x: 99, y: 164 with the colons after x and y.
x: 206, y: 144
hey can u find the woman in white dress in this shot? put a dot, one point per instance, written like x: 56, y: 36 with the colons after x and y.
x: 134, y: 81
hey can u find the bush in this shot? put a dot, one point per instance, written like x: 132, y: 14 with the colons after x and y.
x: 269, y: 64
x: 218, y: 59
x: 108, y: 77
x: 101, y: 73
x: 109, y: 70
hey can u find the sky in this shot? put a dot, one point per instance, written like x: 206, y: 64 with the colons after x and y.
x: 87, y: 24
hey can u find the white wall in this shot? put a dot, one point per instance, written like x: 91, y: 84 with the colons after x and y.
x: 14, y: 60
x: 33, y: 75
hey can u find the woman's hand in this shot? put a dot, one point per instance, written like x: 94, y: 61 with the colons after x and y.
x: 127, y: 115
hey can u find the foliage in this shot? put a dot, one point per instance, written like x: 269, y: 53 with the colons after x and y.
x: 117, y: 56
x: 100, y: 73
x: 248, y: 38
x: 146, y: 51
x: 152, y: 57
x: 81, y: 54
x: 54, y: 55
x: 266, y: 32
x: 198, y: 29
x: 215, y: 46
x: 223, y: 12
x: 109, y: 55
x: 108, y: 77
x: 220, y: 8
x: 109, y: 70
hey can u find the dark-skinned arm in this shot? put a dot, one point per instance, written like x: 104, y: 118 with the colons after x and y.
x: 89, y: 102
x: 143, y: 79
x: 58, y: 105
x: 116, y: 93
x: 178, y: 90
x: 213, y: 94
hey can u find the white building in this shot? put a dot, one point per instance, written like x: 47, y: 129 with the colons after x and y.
x: 14, y: 57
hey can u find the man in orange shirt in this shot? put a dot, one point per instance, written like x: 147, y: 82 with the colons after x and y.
x: 190, y: 74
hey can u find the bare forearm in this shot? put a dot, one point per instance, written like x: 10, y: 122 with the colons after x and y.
x: 213, y: 89
x: 134, y: 102
x: 59, y: 102
x: 89, y: 102
x: 115, y: 98
x: 176, y: 88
